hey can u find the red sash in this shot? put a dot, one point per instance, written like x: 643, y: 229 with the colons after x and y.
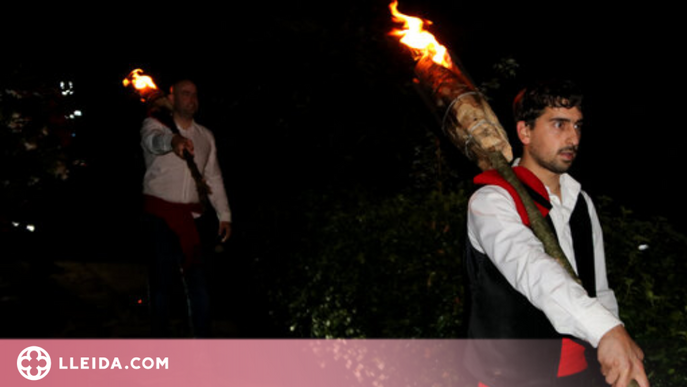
x: 492, y: 177
x: 180, y: 220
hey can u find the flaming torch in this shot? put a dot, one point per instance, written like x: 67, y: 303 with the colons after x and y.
x: 161, y: 109
x: 143, y: 84
x: 469, y: 121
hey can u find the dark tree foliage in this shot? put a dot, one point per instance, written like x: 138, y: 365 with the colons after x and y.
x: 38, y: 122
x: 646, y: 269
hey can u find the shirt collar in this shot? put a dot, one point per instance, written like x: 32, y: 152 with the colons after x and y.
x: 191, y: 128
x: 570, y: 188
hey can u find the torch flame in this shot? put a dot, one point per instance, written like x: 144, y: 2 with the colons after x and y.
x: 143, y: 84
x: 421, y: 42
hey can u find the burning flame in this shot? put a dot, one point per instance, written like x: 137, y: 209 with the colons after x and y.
x: 421, y: 42
x: 143, y: 84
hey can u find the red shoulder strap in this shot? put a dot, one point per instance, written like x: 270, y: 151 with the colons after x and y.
x: 492, y: 177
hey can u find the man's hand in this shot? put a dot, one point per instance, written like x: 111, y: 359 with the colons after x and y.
x: 621, y: 359
x: 224, y: 231
x: 181, y: 143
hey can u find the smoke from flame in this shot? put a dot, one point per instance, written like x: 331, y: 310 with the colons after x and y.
x: 421, y: 42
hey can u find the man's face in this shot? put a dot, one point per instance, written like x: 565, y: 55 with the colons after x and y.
x: 185, y: 99
x: 553, y: 140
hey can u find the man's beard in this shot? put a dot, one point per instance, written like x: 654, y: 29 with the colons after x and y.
x: 556, y: 166
x: 187, y: 113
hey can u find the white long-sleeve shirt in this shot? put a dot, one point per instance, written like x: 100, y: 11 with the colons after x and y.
x: 496, y: 229
x: 167, y: 175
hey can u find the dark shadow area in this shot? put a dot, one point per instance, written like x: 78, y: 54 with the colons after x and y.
x: 54, y: 291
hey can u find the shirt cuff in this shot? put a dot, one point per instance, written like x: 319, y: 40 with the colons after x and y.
x: 598, y: 321
x: 224, y: 217
x: 166, y: 142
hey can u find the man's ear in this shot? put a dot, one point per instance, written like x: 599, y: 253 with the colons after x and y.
x: 523, y: 132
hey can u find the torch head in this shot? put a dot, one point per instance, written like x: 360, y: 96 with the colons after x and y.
x: 145, y: 87
x: 469, y: 121
x: 475, y: 129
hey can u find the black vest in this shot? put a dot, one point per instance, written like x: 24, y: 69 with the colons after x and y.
x: 497, y: 310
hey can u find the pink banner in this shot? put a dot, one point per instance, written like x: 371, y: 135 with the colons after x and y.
x: 278, y: 363
x: 247, y: 363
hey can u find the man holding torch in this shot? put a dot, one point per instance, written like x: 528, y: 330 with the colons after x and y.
x: 180, y: 225
x: 518, y: 291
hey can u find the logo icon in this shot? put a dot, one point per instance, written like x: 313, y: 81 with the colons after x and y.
x: 33, y: 363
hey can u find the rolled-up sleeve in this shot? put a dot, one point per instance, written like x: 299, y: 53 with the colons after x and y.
x: 156, y: 138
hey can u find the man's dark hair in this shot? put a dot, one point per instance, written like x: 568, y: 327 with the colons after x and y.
x: 530, y: 103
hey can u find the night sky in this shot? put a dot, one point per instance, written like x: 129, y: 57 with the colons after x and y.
x: 307, y: 95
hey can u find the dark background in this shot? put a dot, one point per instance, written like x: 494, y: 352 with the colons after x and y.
x: 308, y: 96
x: 293, y: 88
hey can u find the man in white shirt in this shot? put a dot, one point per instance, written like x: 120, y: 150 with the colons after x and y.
x: 176, y: 218
x: 518, y: 291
